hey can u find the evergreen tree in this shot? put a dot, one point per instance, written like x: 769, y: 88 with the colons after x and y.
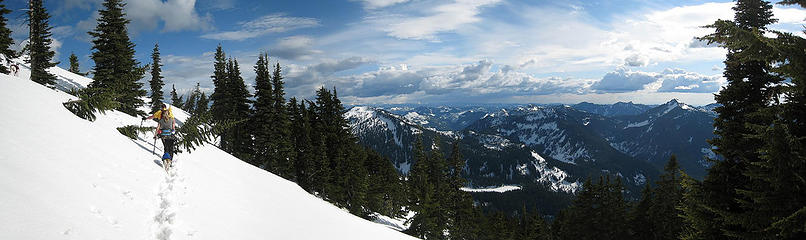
x: 301, y: 134
x: 5, y: 39
x: 281, y: 145
x: 74, y: 68
x: 221, y: 97
x: 176, y: 100
x: 642, y: 225
x: 533, y: 226
x: 385, y: 194
x: 664, y: 213
x: 39, y: 44
x: 239, y: 111
x: 116, y: 69
x: 202, y: 104
x: 321, y: 174
x: 263, y: 115
x: 772, y: 203
x: 598, y: 212
x: 156, y: 78
x: 750, y: 90
x: 462, y: 223
x: 192, y: 99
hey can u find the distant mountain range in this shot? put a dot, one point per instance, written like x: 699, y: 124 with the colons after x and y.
x: 553, y: 146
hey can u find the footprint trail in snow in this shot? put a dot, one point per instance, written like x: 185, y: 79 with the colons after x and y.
x: 169, y: 202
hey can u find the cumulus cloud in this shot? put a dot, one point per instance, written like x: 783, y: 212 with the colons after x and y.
x: 669, y: 80
x: 294, y: 48
x: 273, y: 23
x: 174, y: 15
x: 677, y: 80
x: 623, y: 80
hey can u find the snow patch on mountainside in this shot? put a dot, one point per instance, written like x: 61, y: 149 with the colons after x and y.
x: 498, y: 189
x: 555, y: 177
x: 637, y: 124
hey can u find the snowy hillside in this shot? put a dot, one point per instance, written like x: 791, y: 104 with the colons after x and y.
x: 63, y: 177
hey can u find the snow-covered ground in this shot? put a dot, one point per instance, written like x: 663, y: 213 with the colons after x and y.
x: 63, y: 177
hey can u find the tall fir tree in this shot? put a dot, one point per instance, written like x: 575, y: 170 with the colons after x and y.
x: 598, y: 212
x: 74, y: 66
x: 220, y: 98
x: 462, y: 224
x: 664, y: 212
x: 321, y: 172
x: 39, y: 44
x: 202, y: 104
x: 773, y: 203
x: 301, y: 135
x: 281, y: 145
x: 750, y: 90
x: 240, y: 111
x: 116, y: 69
x: 176, y: 100
x: 192, y: 99
x: 5, y: 39
x: 156, y: 78
x: 261, y: 121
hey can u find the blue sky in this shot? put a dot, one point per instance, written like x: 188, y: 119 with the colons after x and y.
x: 412, y: 51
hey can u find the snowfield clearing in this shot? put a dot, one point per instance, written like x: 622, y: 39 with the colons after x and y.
x: 63, y: 177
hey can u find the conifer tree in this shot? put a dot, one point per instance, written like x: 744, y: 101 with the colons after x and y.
x: 221, y: 97
x: 664, y: 212
x: 281, y: 145
x: 321, y: 174
x: 776, y: 208
x: 5, y: 39
x: 263, y: 115
x: 192, y: 99
x: 642, y: 225
x: 462, y: 223
x: 533, y: 226
x: 156, y: 78
x: 301, y: 134
x: 202, y: 104
x: 116, y: 69
x: 750, y: 90
x: 74, y: 67
x: 176, y: 100
x: 39, y: 44
x: 598, y: 212
x: 239, y: 111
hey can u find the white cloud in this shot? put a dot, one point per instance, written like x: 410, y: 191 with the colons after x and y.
x: 676, y: 80
x: 433, y: 20
x: 294, y: 48
x: 670, y: 80
x: 272, y: 23
x: 624, y: 80
x: 176, y: 15
x: 375, y: 4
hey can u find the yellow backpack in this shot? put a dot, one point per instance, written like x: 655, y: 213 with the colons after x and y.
x: 158, y: 114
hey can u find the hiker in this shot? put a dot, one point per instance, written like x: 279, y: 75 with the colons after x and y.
x: 165, y: 130
x: 15, y: 68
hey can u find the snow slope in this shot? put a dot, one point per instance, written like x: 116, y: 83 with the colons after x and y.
x: 62, y: 177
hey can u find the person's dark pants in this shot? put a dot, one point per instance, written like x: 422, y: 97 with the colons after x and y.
x: 168, y: 144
